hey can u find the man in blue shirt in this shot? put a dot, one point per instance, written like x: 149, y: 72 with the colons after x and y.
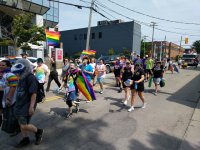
x: 87, y: 69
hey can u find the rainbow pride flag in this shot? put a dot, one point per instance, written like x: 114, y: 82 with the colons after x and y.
x: 52, y: 38
x: 89, y: 52
x: 85, y: 87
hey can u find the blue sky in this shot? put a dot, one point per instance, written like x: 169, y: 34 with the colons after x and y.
x: 179, y: 10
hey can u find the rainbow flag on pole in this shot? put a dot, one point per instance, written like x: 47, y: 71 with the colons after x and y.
x: 89, y: 52
x: 85, y: 87
x: 52, y: 38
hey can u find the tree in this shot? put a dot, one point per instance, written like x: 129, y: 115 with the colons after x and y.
x: 145, y: 48
x: 196, y: 46
x: 24, y: 31
x: 111, y: 51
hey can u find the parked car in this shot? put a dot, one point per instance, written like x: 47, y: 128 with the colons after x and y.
x: 109, y: 62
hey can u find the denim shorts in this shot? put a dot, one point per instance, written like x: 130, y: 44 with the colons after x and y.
x: 72, y: 96
x: 100, y: 79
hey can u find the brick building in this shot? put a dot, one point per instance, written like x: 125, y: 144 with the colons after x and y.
x: 167, y: 49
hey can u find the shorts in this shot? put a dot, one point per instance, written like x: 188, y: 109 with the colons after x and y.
x: 117, y: 75
x: 140, y: 87
x: 148, y: 71
x: 23, y: 120
x: 72, y: 96
x: 1, y: 99
x: 156, y: 80
x: 70, y: 103
x: 100, y: 79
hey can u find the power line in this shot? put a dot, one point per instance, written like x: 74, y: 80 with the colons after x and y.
x: 173, y: 21
x: 143, y: 23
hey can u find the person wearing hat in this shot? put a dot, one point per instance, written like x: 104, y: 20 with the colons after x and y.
x: 41, y: 73
x: 26, y: 102
x: 158, y: 71
x: 24, y: 56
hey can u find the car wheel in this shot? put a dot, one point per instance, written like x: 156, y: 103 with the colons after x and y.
x: 107, y: 69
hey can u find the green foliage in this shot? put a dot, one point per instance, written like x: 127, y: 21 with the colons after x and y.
x: 6, y: 42
x: 196, y: 45
x: 25, y: 31
x: 145, y: 48
x: 111, y: 51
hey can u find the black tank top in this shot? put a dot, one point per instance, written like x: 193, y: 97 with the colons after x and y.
x: 127, y: 73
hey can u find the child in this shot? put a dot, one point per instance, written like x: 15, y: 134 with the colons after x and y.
x: 71, y: 93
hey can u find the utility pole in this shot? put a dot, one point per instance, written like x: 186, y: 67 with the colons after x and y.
x: 89, y: 26
x: 144, y: 44
x: 180, y: 45
x: 152, y: 45
x: 161, y: 50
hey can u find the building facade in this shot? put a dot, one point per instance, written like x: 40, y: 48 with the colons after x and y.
x: 106, y: 35
x: 167, y: 49
x: 46, y: 13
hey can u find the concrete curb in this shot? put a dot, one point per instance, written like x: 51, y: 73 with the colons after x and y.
x: 191, y: 139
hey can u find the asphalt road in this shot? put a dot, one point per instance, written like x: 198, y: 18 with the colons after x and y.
x: 105, y: 124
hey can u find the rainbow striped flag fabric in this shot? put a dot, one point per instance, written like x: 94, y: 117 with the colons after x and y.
x: 52, y: 38
x: 85, y: 87
x: 89, y: 52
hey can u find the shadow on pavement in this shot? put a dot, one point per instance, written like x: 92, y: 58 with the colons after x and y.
x: 162, y: 141
x: 60, y: 134
x: 187, y: 95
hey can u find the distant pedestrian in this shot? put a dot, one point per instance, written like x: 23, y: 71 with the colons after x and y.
x: 149, y: 65
x: 87, y: 69
x: 117, y: 73
x: 158, y: 71
x: 127, y: 73
x: 93, y: 64
x: 137, y: 86
x: 179, y: 63
x: 53, y: 73
x: 65, y: 67
x: 138, y: 60
x: 170, y: 65
x: 42, y: 73
x: 101, y: 68
x: 26, y: 102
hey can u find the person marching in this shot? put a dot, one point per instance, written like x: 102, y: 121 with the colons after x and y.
x: 149, y: 65
x: 127, y: 73
x: 137, y: 86
x: 93, y: 64
x: 101, y: 68
x: 158, y: 71
x: 71, y: 92
x: 117, y: 73
x: 42, y: 73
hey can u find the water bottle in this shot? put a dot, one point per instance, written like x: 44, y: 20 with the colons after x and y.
x: 136, y: 86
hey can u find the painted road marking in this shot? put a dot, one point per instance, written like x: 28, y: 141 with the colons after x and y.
x: 53, y: 98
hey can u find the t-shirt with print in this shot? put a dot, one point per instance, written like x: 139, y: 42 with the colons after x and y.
x: 158, y: 71
x: 101, y: 74
x: 70, y: 84
x: 40, y: 73
x: 87, y: 68
x: 10, y: 80
x: 137, y: 75
x: 149, y: 64
x: 26, y: 87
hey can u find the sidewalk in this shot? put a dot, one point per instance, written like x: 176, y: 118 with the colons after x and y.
x: 191, y: 139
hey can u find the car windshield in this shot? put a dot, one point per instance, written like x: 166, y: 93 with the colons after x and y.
x: 32, y: 60
x: 189, y: 56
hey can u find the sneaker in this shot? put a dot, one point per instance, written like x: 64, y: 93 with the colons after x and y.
x: 101, y: 92
x: 144, y: 105
x: 130, y: 109
x: 125, y: 102
x: 77, y: 101
x: 68, y: 116
x: 120, y: 90
x: 38, y: 136
x: 88, y: 101
x: 24, y: 142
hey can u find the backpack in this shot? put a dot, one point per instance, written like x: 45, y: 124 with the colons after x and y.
x: 40, y: 94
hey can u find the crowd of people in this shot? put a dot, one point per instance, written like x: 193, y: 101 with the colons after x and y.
x: 21, y: 84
